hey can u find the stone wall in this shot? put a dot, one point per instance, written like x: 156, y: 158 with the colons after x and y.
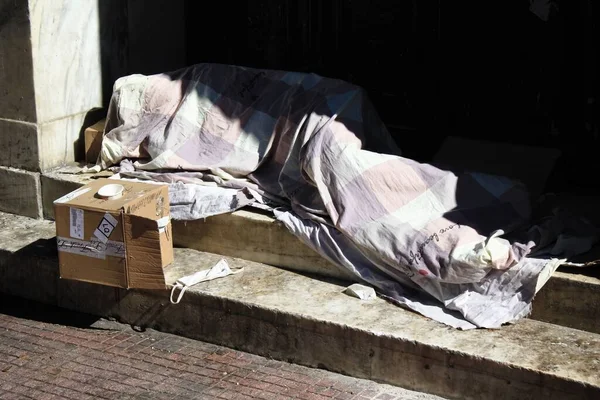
x: 58, y: 62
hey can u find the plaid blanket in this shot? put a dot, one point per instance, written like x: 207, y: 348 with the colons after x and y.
x: 315, y: 147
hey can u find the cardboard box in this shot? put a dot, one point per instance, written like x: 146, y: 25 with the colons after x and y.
x: 93, y: 141
x: 124, y: 242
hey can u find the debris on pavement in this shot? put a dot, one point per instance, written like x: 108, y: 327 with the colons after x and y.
x: 219, y: 270
x: 360, y: 291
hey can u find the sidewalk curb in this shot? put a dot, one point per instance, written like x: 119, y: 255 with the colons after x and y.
x: 292, y: 317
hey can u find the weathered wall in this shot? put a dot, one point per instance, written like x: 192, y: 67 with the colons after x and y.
x: 18, y: 132
x: 58, y: 62
x: 51, y: 78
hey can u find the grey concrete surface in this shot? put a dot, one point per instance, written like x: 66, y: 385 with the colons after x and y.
x: 289, y: 316
x: 19, y: 144
x: 27, y: 254
x: 253, y: 236
x: 61, y: 141
x: 16, y: 65
x: 20, y: 192
x: 570, y: 298
x: 56, y: 183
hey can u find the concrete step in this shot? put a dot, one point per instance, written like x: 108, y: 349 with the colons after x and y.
x: 251, y: 235
x: 570, y: 298
x: 290, y: 316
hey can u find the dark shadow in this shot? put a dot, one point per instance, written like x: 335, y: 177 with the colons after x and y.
x: 113, y: 24
x: 482, y: 211
x: 31, y: 310
x: 519, y: 79
x: 519, y: 82
x: 32, y: 273
x: 90, y: 119
x: 593, y: 270
x: 38, y: 257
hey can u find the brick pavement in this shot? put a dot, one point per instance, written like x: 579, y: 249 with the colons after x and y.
x: 49, y: 353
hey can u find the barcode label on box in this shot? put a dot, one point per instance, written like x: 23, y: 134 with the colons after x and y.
x: 76, y: 226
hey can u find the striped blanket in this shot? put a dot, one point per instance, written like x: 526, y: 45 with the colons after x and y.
x: 315, y: 150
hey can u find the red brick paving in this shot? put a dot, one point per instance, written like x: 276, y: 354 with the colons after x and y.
x: 41, y: 359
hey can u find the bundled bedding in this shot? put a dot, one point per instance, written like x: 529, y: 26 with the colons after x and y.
x: 314, y: 151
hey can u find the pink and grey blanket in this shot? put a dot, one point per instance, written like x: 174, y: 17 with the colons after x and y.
x: 314, y: 150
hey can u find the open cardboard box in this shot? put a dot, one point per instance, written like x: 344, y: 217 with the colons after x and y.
x: 123, y: 241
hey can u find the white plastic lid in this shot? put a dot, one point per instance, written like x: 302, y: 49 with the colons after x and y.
x: 111, y: 191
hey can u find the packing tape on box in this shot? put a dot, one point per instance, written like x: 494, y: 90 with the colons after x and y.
x: 162, y: 224
x: 91, y: 248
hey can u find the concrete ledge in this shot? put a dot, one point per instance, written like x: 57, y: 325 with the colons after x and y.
x: 292, y: 317
x: 56, y: 184
x: 255, y: 237
x: 569, y: 299
x: 20, y: 192
x: 19, y: 144
x: 245, y: 234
